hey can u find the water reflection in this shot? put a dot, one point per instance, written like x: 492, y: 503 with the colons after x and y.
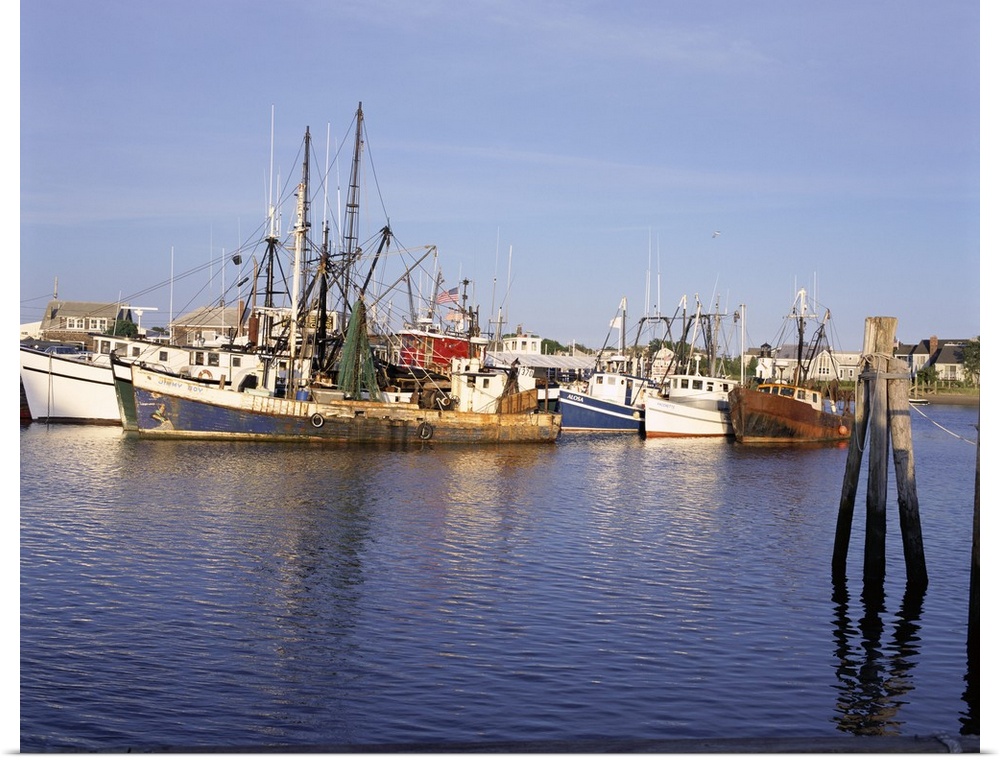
x: 599, y: 587
x: 873, y: 676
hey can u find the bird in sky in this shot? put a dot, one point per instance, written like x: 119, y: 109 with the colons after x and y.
x: 716, y: 234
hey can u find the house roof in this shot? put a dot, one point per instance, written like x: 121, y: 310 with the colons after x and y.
x: 209, y: 316
x: 56, y: 309
x: 949, y: 350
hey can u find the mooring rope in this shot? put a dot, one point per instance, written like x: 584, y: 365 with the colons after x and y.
x: 938, y: 425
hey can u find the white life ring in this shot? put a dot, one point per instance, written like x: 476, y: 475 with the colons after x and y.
x: 425, y: 431
x: 317, y: 420
x: 205, y: 373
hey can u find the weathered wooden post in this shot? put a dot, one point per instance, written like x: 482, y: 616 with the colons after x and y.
x: 882, y: 401
x: 973, y: 634
x: 856, y: 449
x: 906, y: 474
x: 878, y: 474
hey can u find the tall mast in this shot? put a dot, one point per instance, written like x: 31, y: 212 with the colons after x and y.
x: 353, y: 204
x: 801, y: 325
x: 301, y: 228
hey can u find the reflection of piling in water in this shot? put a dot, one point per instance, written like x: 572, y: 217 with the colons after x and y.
x: 883, y: 401
x: 874, y: 675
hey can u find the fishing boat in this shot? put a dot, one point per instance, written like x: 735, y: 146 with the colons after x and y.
x: 612, y: 398
x: 481, y: 407
x: 321, y: 383
x: 78, y: 386
x: 687, y: 403
x: 691, y: 405
x: 791, y: 412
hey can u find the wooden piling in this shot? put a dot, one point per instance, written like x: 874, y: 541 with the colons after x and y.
x: 973, y: 634
x: 882, y: 404
x: 906, y: 478
x: 849, y: 492
x: 878, y: 472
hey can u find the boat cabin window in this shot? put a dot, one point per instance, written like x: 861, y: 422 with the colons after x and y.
x: 684, y: 382
x: 801, y: 395
x: 235, y: 361
x: 787, y: 392
x: 696, y: 385
x: 213, y: 359
x: 164, y: 355
x: 709, y: 387
x: 199, y: 358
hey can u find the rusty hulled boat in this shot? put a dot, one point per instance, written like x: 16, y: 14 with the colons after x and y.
x: 780, y: 412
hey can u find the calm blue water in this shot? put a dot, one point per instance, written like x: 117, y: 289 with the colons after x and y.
x: 216, y: 595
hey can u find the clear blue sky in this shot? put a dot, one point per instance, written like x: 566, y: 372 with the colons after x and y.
x: 573, y: 151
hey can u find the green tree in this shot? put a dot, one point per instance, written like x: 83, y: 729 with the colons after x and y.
x: 927, y: 375
x: 123, y: 328
x: 970, y: 362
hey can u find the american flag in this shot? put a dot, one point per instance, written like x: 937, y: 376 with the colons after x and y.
x: 448, y: 296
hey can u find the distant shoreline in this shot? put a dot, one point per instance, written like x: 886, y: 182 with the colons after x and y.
x: 951, y: 399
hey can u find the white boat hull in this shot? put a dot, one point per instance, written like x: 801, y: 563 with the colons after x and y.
x: 60, y: 389
x: 705, y: 417
x: 693, y: 405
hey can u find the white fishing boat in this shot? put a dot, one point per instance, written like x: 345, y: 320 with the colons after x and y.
x: 68, y: 387
x: 79, y: 386
x: 692, y: 405
x: 688, y: 403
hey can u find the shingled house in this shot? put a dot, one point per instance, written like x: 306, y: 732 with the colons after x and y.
x: 207, y: 326
x: 75, y: 321
x: 779, y: 363
x: 947, y: 356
